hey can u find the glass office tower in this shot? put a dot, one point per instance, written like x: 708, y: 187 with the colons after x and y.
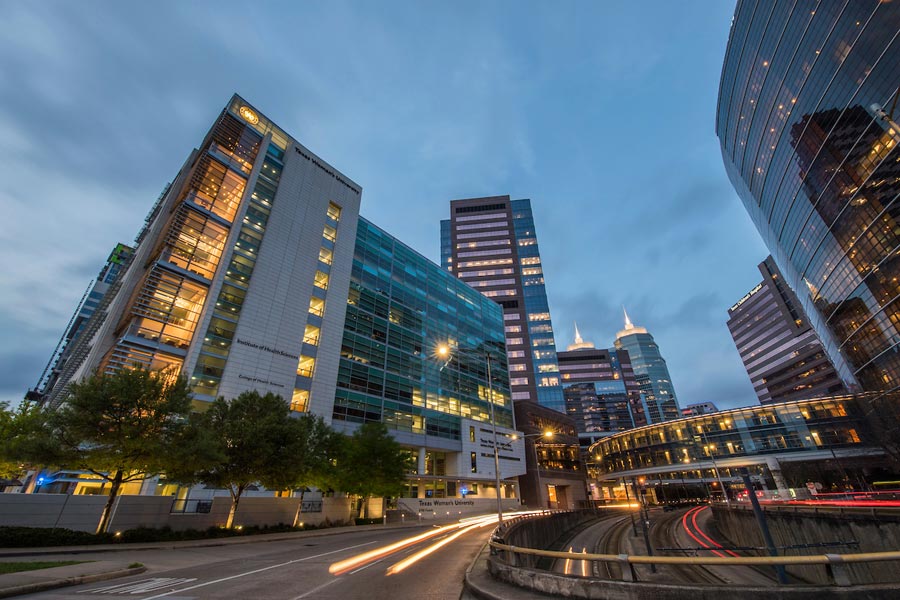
x: 491, y: 244
x: 650, y: 371
x: 807, y: 121
x: 401, y: 308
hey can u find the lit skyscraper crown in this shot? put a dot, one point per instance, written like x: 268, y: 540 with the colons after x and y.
x: 579, y: 344
x: 630, y: 328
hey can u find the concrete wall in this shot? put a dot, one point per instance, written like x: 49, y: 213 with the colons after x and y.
x: 82, y: 513
x: 545, y: 532
x: 580, y: 587
x: 789, y: 527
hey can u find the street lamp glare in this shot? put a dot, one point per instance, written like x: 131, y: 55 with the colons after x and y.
x: 443, y: 350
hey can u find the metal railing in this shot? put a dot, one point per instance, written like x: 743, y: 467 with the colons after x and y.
x: 835, y: 564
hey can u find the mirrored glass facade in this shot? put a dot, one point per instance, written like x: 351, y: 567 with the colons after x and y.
x: 401, y: 308
x: 807, y: 124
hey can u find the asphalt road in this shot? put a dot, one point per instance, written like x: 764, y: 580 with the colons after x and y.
x: 292, y: 570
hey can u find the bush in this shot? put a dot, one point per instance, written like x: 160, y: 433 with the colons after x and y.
x: 34, y: 537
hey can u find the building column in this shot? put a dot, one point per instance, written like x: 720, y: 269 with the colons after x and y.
x: 780, y: 483
x: 421, y: 464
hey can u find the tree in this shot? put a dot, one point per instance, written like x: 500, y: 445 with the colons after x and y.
x: 315, y: 450
x: 9, y: 466
x: 122, y: 427
x: 372, y: 464
x: 258, y: 442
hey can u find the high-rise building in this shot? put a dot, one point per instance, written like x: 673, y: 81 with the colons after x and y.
x: 254, y: 272
x: 491, y: 244
x: 779, y: 348
x: 601, y: 392
x: 650, y: 371
x: 243, y: 267
x: 807, y: 125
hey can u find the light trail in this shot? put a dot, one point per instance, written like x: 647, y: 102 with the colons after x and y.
x: 397, y: 567
x: 354, y: 562
x: 684, y: 523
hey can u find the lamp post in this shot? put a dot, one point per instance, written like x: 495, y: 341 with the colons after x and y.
x: 537, y: 464
x: 444, y: 352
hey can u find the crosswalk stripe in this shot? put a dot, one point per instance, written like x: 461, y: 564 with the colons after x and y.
x: 140, y: 587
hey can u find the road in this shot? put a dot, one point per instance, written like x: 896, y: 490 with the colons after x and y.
x: 292, y: 570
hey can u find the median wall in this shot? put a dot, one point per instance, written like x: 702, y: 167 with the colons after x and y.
x: 874, y: 532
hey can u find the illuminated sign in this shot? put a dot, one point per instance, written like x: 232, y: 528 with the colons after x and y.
x: 747, y: 296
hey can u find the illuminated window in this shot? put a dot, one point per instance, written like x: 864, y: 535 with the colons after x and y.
x: 513, y: 329
x: 321, y: 280
x: 515, y: 354
x: 329, y: 233
x: 516, y: 367
x: 530, y: 260
x: 300, y: 401
x: 511, y: 316
x: 548, y: 381
x: 539, y: 316
x: 518, y: 381
x: 516, y: 341
x: 334, y: 211
x: 305, y: 366
x: 325, y: 255
x: 311, y: 335
x: 317, y: 306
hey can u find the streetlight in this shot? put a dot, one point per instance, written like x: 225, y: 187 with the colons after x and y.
x: 537, y: 464
x: 444, y: 352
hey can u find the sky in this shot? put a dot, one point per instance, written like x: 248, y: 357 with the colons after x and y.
x: 602, y: 113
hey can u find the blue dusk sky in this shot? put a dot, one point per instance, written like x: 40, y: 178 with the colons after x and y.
x: 602, y: 113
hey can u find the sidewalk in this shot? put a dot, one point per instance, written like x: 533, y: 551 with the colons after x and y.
x: 29, y: 582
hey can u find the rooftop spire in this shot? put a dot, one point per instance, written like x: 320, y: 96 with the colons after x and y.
x: 579, y: 344
x: 630, y: 328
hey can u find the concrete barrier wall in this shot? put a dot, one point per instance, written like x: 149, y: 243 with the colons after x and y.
x: 874, y: 534
x: 580, y: 587
x: 82, y: 513
x: 544, y: 533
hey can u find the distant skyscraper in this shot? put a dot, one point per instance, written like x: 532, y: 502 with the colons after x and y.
x: 650, y: 371
x: 491, y: 244
x: 602, y: 395
x: 779, y: 348
x: 807, y: 122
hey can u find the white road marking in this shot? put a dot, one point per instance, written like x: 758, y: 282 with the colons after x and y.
x: 140, y: 587
x: 284, y: 564
x: 314, y: 590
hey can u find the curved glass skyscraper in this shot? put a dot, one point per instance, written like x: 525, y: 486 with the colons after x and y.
x: 807, y: 123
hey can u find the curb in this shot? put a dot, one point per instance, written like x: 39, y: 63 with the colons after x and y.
x: 31, y: 588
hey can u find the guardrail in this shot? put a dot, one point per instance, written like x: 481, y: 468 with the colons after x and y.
x: 835, y: 564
